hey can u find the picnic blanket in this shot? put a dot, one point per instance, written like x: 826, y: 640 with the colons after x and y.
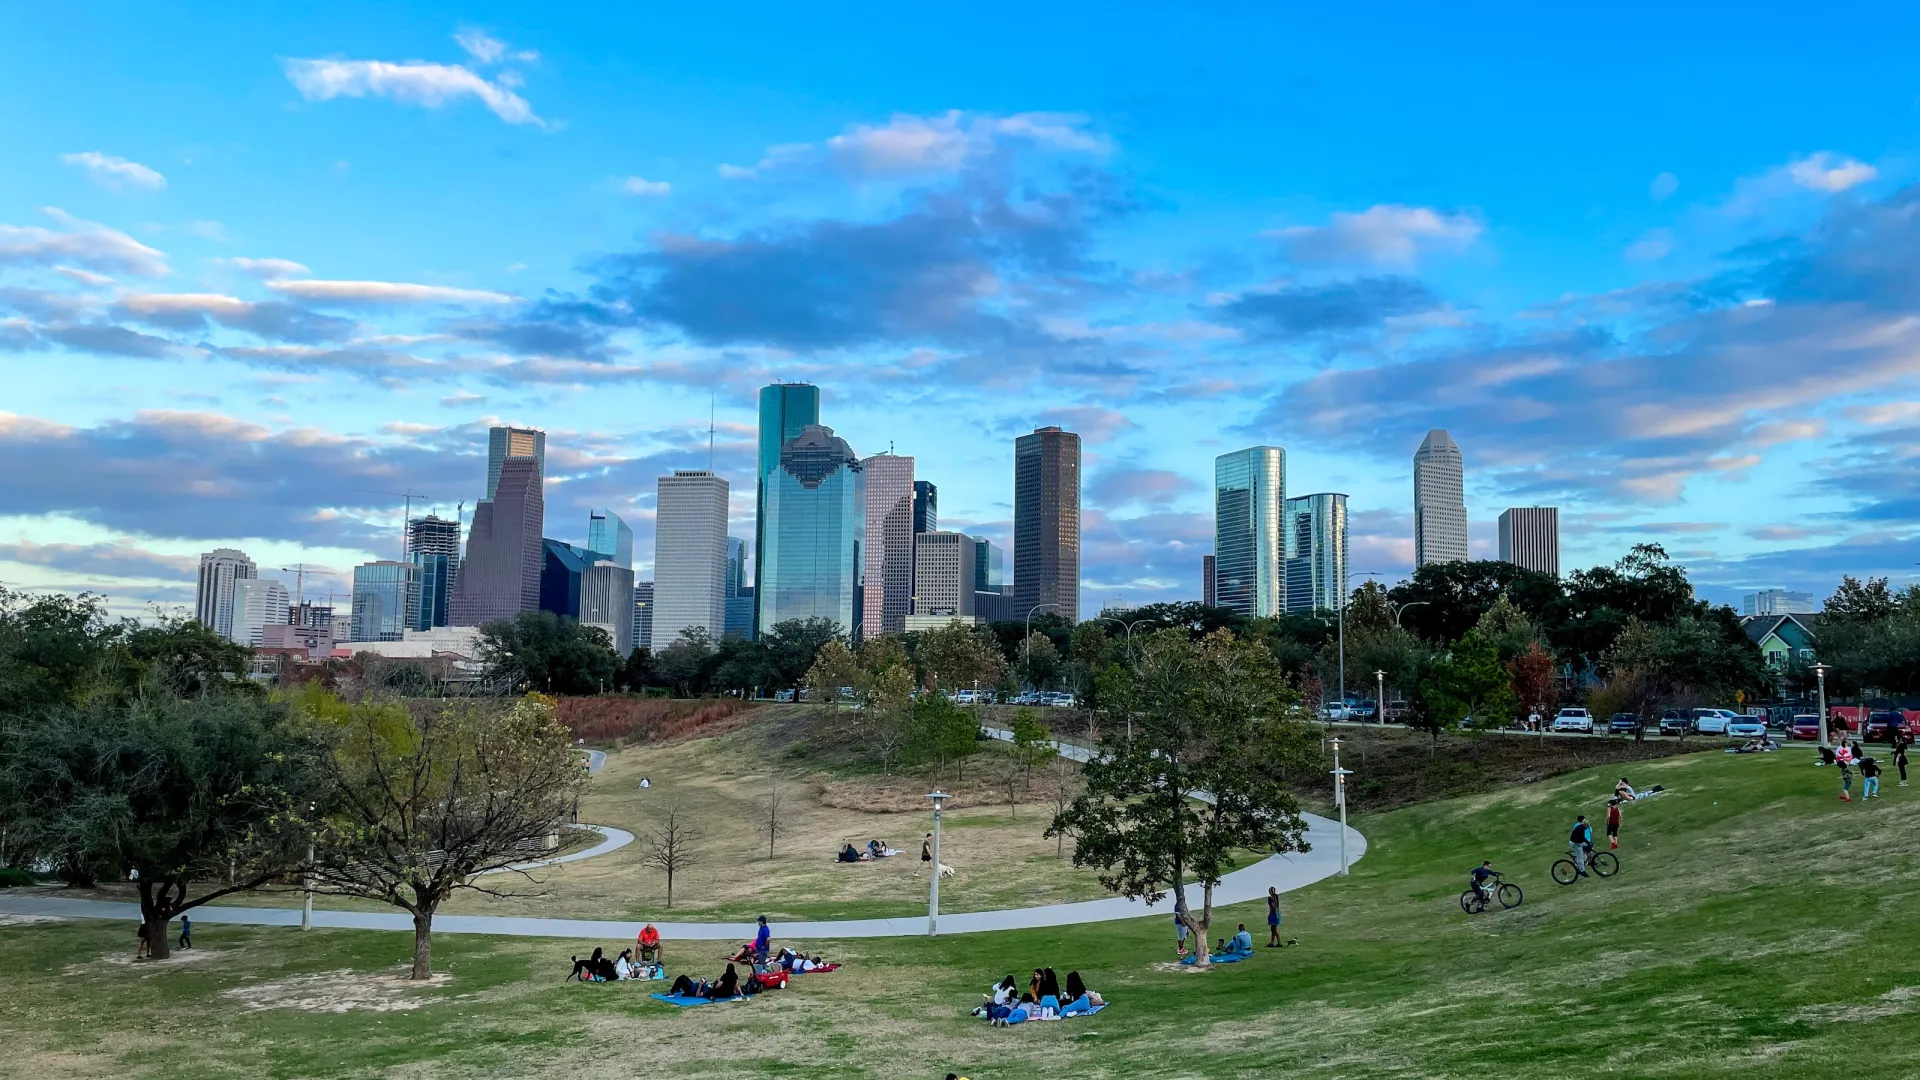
x: 686, y: 1002
x: 1219, y: 958
x: 1062, y: 1015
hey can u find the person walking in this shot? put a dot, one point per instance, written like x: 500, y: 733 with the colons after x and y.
x: 1843, y: 757
x: 140, y: 950
x: 1613, y: 824
x: 1869, y: 778
x: 1273, y: 917
x: 1900, y: 759
x: 926, y: 852
x: 186, y: 931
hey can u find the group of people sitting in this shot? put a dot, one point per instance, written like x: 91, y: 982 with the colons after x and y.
x: 1043, y: 999
x: 875, y: 849
x: 597, y: 968
x: 727, y: 986
x: 1240, y: 944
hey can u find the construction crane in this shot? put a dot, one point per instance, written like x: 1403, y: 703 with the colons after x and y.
x: 406, y: 512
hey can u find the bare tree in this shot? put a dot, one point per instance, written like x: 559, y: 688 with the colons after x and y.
x: 1009, y: 777
x: 421, y: 803
x: 773, y: 816
x: 1062, y: 784
x: 673, y: 847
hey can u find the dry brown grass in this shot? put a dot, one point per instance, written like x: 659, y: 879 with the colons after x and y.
x: 632, y: 719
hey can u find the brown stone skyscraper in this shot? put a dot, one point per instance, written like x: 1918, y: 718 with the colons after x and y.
x: 1046, y: 522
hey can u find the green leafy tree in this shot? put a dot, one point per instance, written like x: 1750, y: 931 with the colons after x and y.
x: 1508, y: 628
x: 689, y: 663
x: 1211, y: 716
x: 1468, y: 681
x: 1039, y: 661
x: 942, y: 734
x: 957, y: 657
x: 1032, y: 740
x: 790, y: 647
x: 1443, y: 601
x: 543, y: 652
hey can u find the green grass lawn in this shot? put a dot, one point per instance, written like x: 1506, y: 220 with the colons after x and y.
x: 1759, y: 929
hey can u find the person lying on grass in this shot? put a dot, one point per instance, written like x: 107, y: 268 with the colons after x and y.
x: 726, y: 986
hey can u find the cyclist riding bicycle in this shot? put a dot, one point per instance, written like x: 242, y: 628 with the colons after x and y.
x: 1580, y: 842
x: 1483, y: 876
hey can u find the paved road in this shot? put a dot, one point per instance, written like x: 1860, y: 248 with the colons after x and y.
x: 1285, y: 872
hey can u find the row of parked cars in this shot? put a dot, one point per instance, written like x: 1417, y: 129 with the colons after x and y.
x: 1880, y: 726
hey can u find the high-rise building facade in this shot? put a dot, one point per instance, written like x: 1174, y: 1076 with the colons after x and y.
x: 561, y: 565
x: 1530, y: 537
x: 506, y: 444
x: 989, y: 566
x: 1316, y: 552
x: 943, y: 574
x: 384, y: 593
x: 891, y: 512
x: 433, y: 580
x: 213, y: 592
x: 608, y: 535
x: 1046, y: 522
x: 926, y: 506
x: 1208, y: 596
x: 500, y: 576
x: 1439, y: 501
x: 606, y: 601
x: 257, y: 602
x: 739, y: 591
x: 643, y: 614
x: 434, y: 535
x: 812, y: 565
x: 785, y: 411
x: 1249, y: 545
x: 1779, y: 602
x: 690, y: 556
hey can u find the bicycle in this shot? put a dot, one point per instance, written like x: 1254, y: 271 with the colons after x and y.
x: 1602, y: 863
x: 1474, y: 900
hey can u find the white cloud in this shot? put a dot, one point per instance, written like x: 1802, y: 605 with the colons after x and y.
x: 1663, y: 186
x: 945, y: 142
x: 214, y: 304
x: 1829, y: 172
x: 89, y: 245
x: 412, y: 83
x: 1387, y: 235
x: 652, y: 189
x: 116, y: 172
x: 268, y: 268
x: 736, y: 172
x: 386, y: 292
x: 1656, y: 244
x: 84, y: 277
x: 487, y: 49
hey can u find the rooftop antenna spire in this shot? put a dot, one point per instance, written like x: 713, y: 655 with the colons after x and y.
x: 711, y: 397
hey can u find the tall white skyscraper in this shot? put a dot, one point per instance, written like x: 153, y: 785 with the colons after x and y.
x: 689, y: 556
x: 213, y: 593
x: 257, y: 602
x: 1530, y: 537
x: 1249, y: 548
x: 890, y: 535
x: 1439, y: 501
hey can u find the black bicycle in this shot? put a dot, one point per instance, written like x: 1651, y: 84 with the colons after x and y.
x: 1476, y: 900
x: 1602, y: 863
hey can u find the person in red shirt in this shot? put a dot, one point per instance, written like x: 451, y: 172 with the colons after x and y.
x: 1613, y: 824
x: 649, y: 944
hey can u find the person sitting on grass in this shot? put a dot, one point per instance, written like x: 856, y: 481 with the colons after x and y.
x: 1240, y: 944
x: 1076, y: 986
x: 744, y: 955
x: 728, y: 985
x: 1033, y: 984
x: 623, y: 967
x: 1004, y: 992
x: 650, y: 944
x: 848, y: 854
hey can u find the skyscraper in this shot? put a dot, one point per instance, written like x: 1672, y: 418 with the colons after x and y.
x: 893, y: 507
x: 785, y: 410
x: 257, y: 602
x: 606, y: 601
x: 500, y: 577
x: 989, y: 566
x: 690, y: 556
x: 739, y: 591
x: 815, y: 534
x: 1316, y: 552
x: 506, y: 444
x: 1439, y: 501
x: 213, y: 592
x: 1209, y: 597
x: 433, y: 584
x: 434, y: 535
x: 643, y: 614
x: 609, y: 535
x: 1778, y: 602
x: 1249, y: 545
x: 1530, y: 537
x: 561, y: 565
x: 926, y: 506
x: 943, y: 574
x: 1046, y: 522
x: 384, y: 593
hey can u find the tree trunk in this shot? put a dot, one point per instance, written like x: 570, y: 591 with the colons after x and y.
x: 669, y: 886
x: 422, y: 944
x: 154, y: 915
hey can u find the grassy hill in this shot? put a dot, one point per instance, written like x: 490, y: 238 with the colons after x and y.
x: 1759, y: 929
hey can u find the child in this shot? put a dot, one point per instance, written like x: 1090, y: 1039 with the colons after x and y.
x: 1613, y: 824
x: 1179, y: 930
x: 1869, y: 778
x: 1846, y: 774
x: 186, y: 931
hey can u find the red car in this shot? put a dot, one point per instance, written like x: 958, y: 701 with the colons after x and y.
x: 1882, y: 725
x: 1805, y: 726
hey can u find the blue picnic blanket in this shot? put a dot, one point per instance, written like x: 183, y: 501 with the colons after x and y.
x: 1065, y: 1014
x: 1220, y: 958
x: 686, y: 1002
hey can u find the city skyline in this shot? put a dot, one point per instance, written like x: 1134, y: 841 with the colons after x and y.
x: 1643, y: 325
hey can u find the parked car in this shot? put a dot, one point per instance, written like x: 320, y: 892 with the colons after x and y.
x: 1335, y: 710
x: 1573, y: 719
x: 1713, y: 721
x: 1365, y: 709
x: 1623, y: 723
x: 1805, y: 726
x: 1675, y: 722
x: 1746, y: 727
x: 1881, y: 725
x: 1398, y: 710
x: 783, y: 695
x: 1062, y: 700
x: 965, y: 697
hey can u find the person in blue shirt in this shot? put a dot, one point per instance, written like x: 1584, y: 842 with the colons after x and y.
x: 762, y: 941
x: 1579, y: 842
x: 1483, y: 876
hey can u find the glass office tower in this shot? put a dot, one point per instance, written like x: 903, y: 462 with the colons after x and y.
x: 814, y: 532
x: 1249, y: 490
x: 1316, y: 551
x: 609, y: 537
x: 785, y: 410
x: 384, y: 594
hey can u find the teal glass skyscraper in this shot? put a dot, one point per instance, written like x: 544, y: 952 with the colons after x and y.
x: 1316, y: 535
x: 814, y: 533
x: 1249, y: 544
x: 785, y: 410
x: 609, y: 536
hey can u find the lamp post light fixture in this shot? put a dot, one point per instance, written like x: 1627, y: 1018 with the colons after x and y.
x: 933, y: 889
x: 1380, y: 697
x: 1340, y: 799
x: 1129, y: 627
x: 1820, y: 676
x: 1402, y: 610
x: 306, y: 905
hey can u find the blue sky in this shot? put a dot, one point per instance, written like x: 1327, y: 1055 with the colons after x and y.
x: 260, y: 265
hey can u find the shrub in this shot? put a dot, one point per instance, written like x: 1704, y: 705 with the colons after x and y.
x: 13, y: 878
x: 634, y: 719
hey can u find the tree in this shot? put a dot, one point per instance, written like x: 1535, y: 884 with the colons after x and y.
x: 1008, y: 777
x: 1533, y: 676
x: 789, y: 648
x: 1039, y: 661
x: 1864, y: 601
x: 942, y: 733
x: 1212, y: 716
x: 424, y: 801
x: 1062, y: 785
x: 1508, y: 629
x: 636, y: 672
x: 1468, y: 681
x: 542, y: 651
x: 957, y: 657
x: 688, y: 663
x: 193, y: 798
x: 834, y: 667
x: 1032, y: 741
x: 1445, y: 600
x: 773, y: 817
x: 673, y: 846
x: 1368, y: 610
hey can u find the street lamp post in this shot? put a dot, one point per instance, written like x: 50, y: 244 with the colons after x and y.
x: 306, y: 878
x: 1820, y: 676
x: 1402, y: 609
x: 933, y: 888
x: 1340, y: 799
x: 1129, y: 628
x: 1380, y: 696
